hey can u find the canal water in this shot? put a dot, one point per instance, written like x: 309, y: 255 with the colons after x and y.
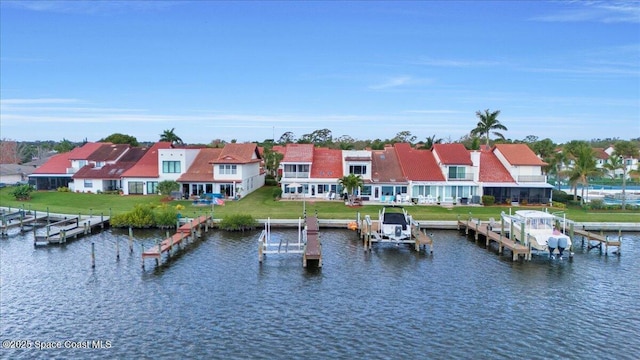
x: 214, y: 300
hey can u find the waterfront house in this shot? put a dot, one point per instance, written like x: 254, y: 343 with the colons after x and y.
x: 59, y: 169
x: 105, y: 167
x: 233, y: 171
x: 143, y: 177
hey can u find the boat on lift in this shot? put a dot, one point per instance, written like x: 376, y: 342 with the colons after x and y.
x: 539, y: 229
x: 395, y: 223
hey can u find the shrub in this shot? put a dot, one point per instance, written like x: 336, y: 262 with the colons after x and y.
x: 276, y: 193
x: 22, y: 192
x: 63, y: 189
x: 488, y: 200
x: 270, y: 181
x: 238, y: 222
x: 166, y: 217
x: 596, y: 204
x: 167, y: 186
x: 559, y: 205
x: 141, y: 216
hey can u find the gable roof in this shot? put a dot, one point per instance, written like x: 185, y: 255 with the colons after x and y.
x: 492, y: 169
x: 201, y: 169
x: 519, y: 154
x: 385, y: 166
x: 453, y: 154
x: 298, y: 153
x: 234, y: 153
x: 147, y: 166
x: 327, y: 163
x: 112, y: 171
x: 58, y: 164
x: 418, y: 165
x: 600, y: 153
x: 108, y: 152
x: 83, y: 152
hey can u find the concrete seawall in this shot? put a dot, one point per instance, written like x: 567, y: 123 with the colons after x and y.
x: 451, y: 225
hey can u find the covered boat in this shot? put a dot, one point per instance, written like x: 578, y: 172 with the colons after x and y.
x: 395, y: 223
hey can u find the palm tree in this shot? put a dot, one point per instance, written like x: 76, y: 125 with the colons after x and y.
x: 556, y: 162
x: 351, y: 182
x: 431, y: 140
x: 584, y: 167
x: 170, y: 136
x: 625, y: 150
x: 488, y: 124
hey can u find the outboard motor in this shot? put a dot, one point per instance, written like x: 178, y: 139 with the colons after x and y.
x: 562, y: 244
x: 552, y: 243
x: 398, y: 231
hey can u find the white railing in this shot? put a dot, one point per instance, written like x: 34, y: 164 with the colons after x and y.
x: 295, y: 175
x: 532, y: 178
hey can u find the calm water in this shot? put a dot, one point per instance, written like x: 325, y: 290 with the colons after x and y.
x: 215, y: 301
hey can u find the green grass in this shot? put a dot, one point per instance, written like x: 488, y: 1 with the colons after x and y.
x: 261, y: 205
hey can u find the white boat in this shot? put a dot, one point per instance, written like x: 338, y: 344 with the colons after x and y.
x: 395, y: 223
x: 541, y: 231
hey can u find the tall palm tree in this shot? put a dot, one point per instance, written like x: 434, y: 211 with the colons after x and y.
x: 584, y: 167
x: 431, y: 140
x: 351, y: 182
x: 556, y: 161
x: 488, y: 124
x: 170, y: 136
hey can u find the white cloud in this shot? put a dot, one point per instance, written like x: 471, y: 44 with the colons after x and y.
x: 596, y: 11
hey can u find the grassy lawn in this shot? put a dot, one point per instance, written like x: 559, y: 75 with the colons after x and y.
x: 261, y: 205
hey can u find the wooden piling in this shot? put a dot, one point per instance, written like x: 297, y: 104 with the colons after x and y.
x: 131, y: 240
x: 93, y: 255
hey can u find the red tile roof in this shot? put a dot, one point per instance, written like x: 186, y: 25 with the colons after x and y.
x: 234, y: 153
x: 58, y: 164
x: 492, y: 170
x: 418, y: 165
x: 201, y: 170
x: 297, y: 153
x: 600, y: 153
x: 147, y: 166
x: 327, y: 164
x: 385, y: 166
x: 108, y: 152
x: 453, y: 154
x: 519, y: 154
x: 84, y: 151
x: 112, y: 171
x: 279, y: 149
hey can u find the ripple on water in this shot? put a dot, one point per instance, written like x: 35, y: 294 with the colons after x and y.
x: 214, y: 300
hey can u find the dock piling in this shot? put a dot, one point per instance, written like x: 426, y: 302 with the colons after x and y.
x: 93, y: 255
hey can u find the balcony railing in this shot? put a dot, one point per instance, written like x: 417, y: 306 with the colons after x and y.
x: 532, y: 178
x: 295, y: 175
x: 468, y: 176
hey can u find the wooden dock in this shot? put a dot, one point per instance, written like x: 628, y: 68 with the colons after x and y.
x: 308, y: 243
x: 68, y: 227
x: 19, y: 219
x: 479, y: 228
x: 312, y: 247
x: 598, y: 241
x: 187, y: 232
x: 369, y: 232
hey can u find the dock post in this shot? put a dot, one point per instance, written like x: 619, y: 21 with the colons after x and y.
x: 63, y: 236
x: 619, y: 242
x: 130, y: 240
x: 93, y: 255
x: 477, y: 229
x: 170, y: 244
x: 159, y: 253
x: 117, y: 250
x: 142, y: 257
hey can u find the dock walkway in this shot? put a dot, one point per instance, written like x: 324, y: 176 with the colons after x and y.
x: 186, y: 232
x: 369, y: 231
x: 308, y: 243
x: 480, y: 228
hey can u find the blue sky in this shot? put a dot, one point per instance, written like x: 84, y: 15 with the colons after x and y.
x: 251, y: 70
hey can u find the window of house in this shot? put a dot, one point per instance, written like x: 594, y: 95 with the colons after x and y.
x: 88, y: 183
x: 171, y: 167
x: 457, y: 172
x: 152, y: 187
x: 228, y: 169
x: 357, y: 169
x: 136, y: 187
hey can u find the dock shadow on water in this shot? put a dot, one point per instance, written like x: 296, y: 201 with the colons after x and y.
x: 213, y: 299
